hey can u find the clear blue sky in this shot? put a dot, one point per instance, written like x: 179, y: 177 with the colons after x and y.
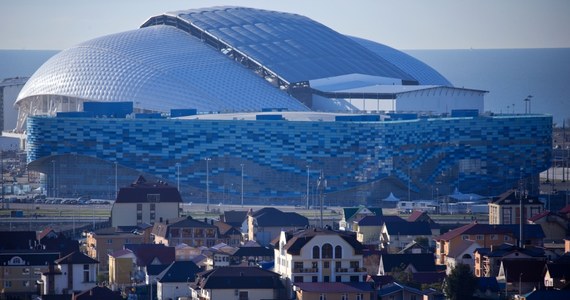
x: 402, y: 24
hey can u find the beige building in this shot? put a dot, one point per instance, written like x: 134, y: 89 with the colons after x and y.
x: 20, y: 270
x: 187, y: 231
x: 101, y: 243
x: 319, y: 255
x: 505, y: 209
x: 144, y: 202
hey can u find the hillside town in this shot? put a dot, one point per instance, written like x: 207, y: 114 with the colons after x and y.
x: 150, y: 248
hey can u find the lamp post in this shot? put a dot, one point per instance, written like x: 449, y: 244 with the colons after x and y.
x: 520, y: 283
x: 307, y: 187
x: 116, y: 181
x: 207, y: 159
x: 241, y: 185
x: 178, y: 176
x: 53, y: 173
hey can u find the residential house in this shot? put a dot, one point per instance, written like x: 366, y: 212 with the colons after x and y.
x: 100, y: 243
x: 97, y: 293
x: 185, y: 252
x: 267, y: 223
x: 147, y: 255
x: 252, y: 254
x: 557, y: 275
x: 368, y: 229
x: 422, y: 216
x: 218, y: 255
x: 73, y: 273
x: 229, y: 233
x: 145, y: 202
x: 121, y: 267
x: 319, y: 255
x: 414, y: 248
x: 521, y: 276
x: 394, y: 236
x: 243, y: 283
x: 186, y: 230
x: 398, y: 291
x: 414, y: 263
x: 235, y: 218
x: 462, y: 253
x: 173, y: 282
x: 21, y: 269
x: 485, y: 235
x: 488, y: 260
x: 355, y: 214
x: 334, y: 290
x: 555, y: 225
x: 505, y: 209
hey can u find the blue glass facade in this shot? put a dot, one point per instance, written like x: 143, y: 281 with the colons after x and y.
x: 362, y: 161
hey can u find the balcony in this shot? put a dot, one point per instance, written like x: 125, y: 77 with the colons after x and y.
x: 350, y: 270
x: 306, y: 270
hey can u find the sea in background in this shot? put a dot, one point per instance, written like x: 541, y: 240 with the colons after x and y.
x: 509, y: 75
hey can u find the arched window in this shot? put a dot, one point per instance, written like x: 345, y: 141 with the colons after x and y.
x: 327, y: 251
x: 338, y: 252
x: 316, y: 252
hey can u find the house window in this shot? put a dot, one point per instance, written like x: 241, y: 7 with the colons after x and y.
x: 479, y: 237
x: 344, y: 297
x: 326, y: 279
x: 26, y: 283
x: 314, y: 279
x: 323, y: 297
x: 338, y: 252
x: 8, y: 283
x: 314, y: 265
x: 338, y: 279
x: 316, y: 252
x: 354, y: 279
x: 298, y: 279
x: 361, y: 297
x: 354, y: 265
x: 465, y: 237
x: 494, y: 237
x: 507, y: 238
x: 326, y: 264
x: 413, y: 297
x: 109, y: 241
x: 297, y: 266
x: 243, y: 295
x: 25, y: 271
x: 327, y: 251
x: 337, y: 265
x: 85, y: 273
x: 153, y: 197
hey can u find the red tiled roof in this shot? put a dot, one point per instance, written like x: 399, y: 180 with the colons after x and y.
x: 415, y: 215
x: 539, y: 216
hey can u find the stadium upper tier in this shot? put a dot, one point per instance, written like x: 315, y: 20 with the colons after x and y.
x: 222, y: 59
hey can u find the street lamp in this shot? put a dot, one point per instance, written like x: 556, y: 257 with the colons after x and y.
x: 307, y: 186
x: 53, y: 172
x: 178, y: 176
x: 241, y: 185
x: 207, y: 159
x: 527, y: 100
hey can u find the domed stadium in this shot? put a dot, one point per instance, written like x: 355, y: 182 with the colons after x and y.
x: 234, y: 102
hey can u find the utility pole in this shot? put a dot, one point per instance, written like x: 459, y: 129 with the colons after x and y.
x: 322, y: 185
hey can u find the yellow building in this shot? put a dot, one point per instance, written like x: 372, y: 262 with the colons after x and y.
x: 101, y: 243
x: 121, y: 266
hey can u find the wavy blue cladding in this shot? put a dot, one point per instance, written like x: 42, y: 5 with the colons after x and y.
x: 476, y: 154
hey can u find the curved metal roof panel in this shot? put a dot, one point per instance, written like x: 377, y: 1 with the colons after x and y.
x: 158, y: 68
x: 292, y: 46
x: 423, y: 73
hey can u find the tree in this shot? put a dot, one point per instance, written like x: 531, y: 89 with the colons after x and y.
x: 460, y: 284
x: 403, y: 276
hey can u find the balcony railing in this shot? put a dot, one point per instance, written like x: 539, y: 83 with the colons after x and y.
x: 350, y: 270
x: 306, y: 270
